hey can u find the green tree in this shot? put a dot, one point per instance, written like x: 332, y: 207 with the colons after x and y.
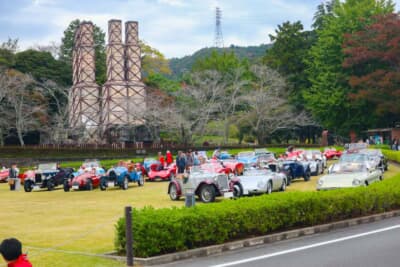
x: 42, y: 66
x: 67, y: 45
x: 327, y: 97
x: 290, y: 47
x: 7, y: 52
x: 153, y: 61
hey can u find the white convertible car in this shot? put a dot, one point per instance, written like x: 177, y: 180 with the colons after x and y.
x: 259, y: 181
x: 349, y: 174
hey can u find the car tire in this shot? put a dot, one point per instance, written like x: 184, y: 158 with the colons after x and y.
x: 307, y: 175
x: 381, y: 178
x: 269, y: 188
x: 66, y: 186
x: 50, y: 184
x: 89, y: 185
x: 288, y: 180
x: 173, y: 192
x: 28, y: 186
x: 317, y: 171
x: 207, y: 193
x: 103, y: 184
x: 141, y: 181
x: 237, y: 190
x: 283, y: 186
x: 125, y: 183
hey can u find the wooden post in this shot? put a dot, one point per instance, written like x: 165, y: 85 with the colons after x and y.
x: 129, y: 236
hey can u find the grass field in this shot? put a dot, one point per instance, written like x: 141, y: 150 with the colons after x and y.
x: 83, y: 221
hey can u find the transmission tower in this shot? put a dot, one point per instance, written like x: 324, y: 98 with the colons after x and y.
x: 219, y: 40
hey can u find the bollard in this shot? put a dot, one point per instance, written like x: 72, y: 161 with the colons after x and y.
x: 129, y: 236
x: 189, y: 197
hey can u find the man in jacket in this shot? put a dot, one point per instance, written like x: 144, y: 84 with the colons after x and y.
x: 11, y: 250
x: 181, y: 162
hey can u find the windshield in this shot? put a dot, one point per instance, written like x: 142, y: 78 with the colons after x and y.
x: 348, y: 167
x: 261, y: 151
x: 47, y: 166
x: 246, y: 154
x: 204, y: 168
x: 353, y: 158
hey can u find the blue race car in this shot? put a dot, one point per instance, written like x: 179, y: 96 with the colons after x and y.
x: 120, y: 176
x: 248, y: 158
x: 294, y: 169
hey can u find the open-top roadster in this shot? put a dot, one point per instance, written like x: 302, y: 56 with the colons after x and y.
x: 121, y: 176
x: 86, y: 178
x: 205, y: 184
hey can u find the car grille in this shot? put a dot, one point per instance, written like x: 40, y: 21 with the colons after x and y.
x: 222, y: 181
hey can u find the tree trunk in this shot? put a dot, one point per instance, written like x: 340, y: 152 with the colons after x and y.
x: 20, y: 137
x: 1, y: 138
x: 226, y: 130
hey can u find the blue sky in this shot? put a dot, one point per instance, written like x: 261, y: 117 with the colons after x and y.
x: 175, y: 27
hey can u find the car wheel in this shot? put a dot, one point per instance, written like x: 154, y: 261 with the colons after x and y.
x: 317, y: 170
x: 103, y: 184
x: 50, y: 184
x: 307, y: 175
x: 141, y: 181
x: 283, y: 186
x: 380, y: 178
x: 173, y: 192
x: 125, y: 183
x: 207, y: 193
x: 237, y: 190
x: 28, y: 186
x: 288, y: 181
x: 89, y: 185
x: 269, y: 188
x: 66, y: 186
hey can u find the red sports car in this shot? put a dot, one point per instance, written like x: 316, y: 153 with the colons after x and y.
x: 159, y: 172
x: 4, y: 174
x: 332, y: 153
x: 235, y: 166
x: 86, y: 181
x: 216, y: 167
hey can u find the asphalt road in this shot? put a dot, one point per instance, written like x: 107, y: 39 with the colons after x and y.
x: 368, y: 245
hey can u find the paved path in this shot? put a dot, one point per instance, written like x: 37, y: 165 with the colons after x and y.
x: 367, y: 245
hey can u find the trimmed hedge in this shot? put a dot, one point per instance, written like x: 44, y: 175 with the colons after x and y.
x: 160, y: 231
x: 392, y: 155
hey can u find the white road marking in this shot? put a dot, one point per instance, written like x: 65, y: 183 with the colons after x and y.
x: 266, y: 256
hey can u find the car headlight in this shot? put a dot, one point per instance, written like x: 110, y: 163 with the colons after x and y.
x: 320, y: 182
x: 356, y: 182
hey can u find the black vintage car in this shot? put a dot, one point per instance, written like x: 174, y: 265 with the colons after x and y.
x: 47, y: 176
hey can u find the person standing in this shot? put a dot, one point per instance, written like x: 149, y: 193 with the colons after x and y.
x: 13, y: 176
x: 161, y: 159
x: 181, y: 162
x: 196, y: 160
x: 11, y: 250
x: 170, y: 158
x: 189, y: 160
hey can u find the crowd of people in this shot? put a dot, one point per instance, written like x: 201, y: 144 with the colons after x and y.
x: 184, y: 160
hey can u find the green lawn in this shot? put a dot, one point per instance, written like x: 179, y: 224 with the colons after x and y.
x: 84, y: 221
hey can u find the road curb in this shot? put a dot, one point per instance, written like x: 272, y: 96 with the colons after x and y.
x: 256, y: 241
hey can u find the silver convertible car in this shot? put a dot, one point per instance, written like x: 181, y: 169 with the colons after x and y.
x: 259, y: 181
x: 349, y: 174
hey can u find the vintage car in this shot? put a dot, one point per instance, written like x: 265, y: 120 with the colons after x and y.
x: 86, y: 178
x: 376, y: 158
x: 349, y: 174
x: 248, y: 158
x: 120, y: 176
x: 332, y: 153
x: 259, y: 181
x: 159, y: 172
x: 147, y: 162
x: 233, y: 165
x: 295, y: 168
x: 205, y: 184
x: 4, y: 174
x: 224, y: 155
x: 317, y: 161
x: 46, y: 176
x: 215, y: 166
x: 261, y: 152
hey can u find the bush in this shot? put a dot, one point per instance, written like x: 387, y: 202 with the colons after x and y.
x: 160, y: 231
x: 391, y: 154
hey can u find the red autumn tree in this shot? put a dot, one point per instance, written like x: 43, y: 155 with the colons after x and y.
x: 373, y: 59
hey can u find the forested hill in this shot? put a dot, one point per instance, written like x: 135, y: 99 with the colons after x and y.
x: 180, y: 65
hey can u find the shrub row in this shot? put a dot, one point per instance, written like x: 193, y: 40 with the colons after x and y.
x: 160, y: 231
x: 392, y: 155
